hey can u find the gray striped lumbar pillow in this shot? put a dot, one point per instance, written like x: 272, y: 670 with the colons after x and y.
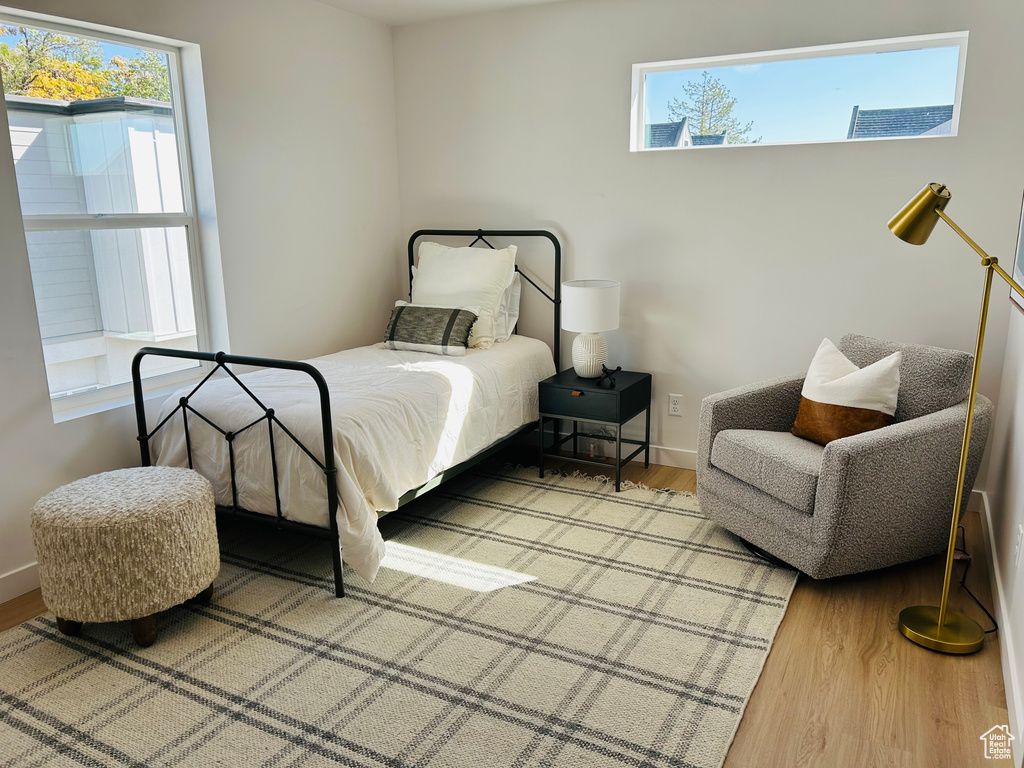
x: 439, y: 330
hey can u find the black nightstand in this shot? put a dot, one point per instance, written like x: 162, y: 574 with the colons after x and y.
x: 566, y: 396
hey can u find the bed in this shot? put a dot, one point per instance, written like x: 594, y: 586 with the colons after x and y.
x: 329, y: 444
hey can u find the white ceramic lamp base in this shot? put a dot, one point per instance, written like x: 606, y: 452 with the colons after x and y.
x: 589, y: 353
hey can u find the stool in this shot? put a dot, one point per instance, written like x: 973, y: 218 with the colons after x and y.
x: 124, y: 545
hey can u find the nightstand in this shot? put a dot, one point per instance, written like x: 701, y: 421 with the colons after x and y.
x: 566, y: 396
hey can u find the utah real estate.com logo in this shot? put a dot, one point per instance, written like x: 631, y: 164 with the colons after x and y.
x: 997, y: 743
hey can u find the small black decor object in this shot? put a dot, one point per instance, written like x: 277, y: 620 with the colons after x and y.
x: 609, y: 375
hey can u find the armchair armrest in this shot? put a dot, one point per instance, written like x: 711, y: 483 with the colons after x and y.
x: 768, y: 405
x: 903, y: 443
x: 894, y: 486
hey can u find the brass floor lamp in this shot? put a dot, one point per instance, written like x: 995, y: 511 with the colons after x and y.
x: 936, y: 627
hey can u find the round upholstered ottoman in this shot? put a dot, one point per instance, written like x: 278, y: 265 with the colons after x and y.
x: 125, y: 545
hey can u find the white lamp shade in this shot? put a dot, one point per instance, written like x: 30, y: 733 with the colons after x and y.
x: 590, y: 306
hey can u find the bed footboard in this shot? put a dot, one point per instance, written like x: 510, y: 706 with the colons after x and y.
x: 221, y: 362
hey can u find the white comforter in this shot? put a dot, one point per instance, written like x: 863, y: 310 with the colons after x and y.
x: 400, y: 418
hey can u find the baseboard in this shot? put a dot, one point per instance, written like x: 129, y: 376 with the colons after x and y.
x: 19, y: 581
x: 976, y: 501
x: 1008, y: 657
x: 672, y: 457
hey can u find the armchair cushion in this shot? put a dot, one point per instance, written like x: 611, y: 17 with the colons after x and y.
x: 777, y: 463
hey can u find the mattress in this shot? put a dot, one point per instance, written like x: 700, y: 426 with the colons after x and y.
x: 400, y: 418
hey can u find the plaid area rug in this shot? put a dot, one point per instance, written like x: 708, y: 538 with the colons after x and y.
x: 517, y: 622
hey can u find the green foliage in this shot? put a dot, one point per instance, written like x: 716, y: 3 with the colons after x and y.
x: 144, y: 77
x: 55, y: 66
x: 708, y: 104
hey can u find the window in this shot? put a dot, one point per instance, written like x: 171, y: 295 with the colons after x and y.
x: 881, y: 89
x: 101, y: 160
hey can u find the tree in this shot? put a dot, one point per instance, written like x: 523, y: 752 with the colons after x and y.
x: 66, y: 80
x: 144, y: 77
x: 708, y: 104
x: 54, y: 66
x: 50, y: 65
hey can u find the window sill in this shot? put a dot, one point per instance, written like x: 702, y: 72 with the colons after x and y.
x: 120, y: 395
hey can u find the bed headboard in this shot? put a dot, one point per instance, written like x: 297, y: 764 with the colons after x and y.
x: 480, y: 236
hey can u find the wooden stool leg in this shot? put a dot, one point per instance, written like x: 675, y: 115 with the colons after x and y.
x: 204, y: 597
x: 72, y: 628
x: 144, y: 630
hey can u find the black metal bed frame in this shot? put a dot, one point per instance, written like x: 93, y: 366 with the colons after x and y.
x: 222, y: 360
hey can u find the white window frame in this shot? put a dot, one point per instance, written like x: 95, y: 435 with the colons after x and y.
x: 909, y: 43
x: 73, y: 406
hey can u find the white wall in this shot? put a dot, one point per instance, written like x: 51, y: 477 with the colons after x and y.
x: 734, y: 262
x: 1005, y: 514
x: 300, y: 103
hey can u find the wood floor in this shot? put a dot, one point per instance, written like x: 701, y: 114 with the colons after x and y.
x: 841, y: 687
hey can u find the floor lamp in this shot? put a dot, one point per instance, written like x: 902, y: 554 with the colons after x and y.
x: 929, y: 626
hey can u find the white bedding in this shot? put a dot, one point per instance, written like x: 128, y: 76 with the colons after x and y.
x: 400, y: 418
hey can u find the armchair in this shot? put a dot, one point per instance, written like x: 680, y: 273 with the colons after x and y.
x: 863, y: 502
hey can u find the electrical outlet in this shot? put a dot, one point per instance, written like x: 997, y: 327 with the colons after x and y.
x: 675, y: 405
x: 1016, y: 547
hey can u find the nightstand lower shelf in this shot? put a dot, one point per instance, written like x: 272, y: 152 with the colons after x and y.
x: 620, y: 461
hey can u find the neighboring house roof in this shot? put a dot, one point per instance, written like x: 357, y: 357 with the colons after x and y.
x: 87, y: 106
x: 708, y: 139
x: 903, y: 121
x: 661, y: 135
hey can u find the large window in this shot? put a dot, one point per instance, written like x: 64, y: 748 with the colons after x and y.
x: 101, y: 159
x: 881, y: 89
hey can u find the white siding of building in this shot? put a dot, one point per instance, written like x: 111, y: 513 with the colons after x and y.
x: 67, y: 299
x: 102, y: 294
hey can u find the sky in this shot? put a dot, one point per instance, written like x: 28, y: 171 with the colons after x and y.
x: 109, y: 49
x: 812, y: 99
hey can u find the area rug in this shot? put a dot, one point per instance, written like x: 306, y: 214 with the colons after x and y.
x: 517, y: 622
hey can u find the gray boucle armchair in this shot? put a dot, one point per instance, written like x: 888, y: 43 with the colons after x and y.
x: 863, y: 502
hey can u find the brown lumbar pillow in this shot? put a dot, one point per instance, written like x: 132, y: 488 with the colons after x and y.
x: 839, y: 399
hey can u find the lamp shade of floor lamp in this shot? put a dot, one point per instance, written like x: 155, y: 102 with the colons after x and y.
x: 937, y: 627
x: 590, y: 307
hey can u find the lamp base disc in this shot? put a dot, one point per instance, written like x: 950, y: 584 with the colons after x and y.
x: 960, y: 634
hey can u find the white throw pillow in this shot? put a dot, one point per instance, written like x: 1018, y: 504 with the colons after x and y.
x: 403, y: 303
x: 508, y: 312
x: 833, y: 379
x: 465, y: 277
x: 840, y: 400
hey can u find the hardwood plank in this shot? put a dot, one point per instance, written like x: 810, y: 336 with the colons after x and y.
x: 21, y: 609
x: 841, y: 686
x: 866, y: 695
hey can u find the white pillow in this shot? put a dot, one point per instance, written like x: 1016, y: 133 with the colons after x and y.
x: 465, y: 277
x: 834, y: 380
x: 841, y: 400
x: 508, y: 312
x: 403, y: 303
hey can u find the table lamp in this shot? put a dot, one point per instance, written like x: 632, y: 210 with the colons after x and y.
x: 589, y: 308
x: 927, y: 625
